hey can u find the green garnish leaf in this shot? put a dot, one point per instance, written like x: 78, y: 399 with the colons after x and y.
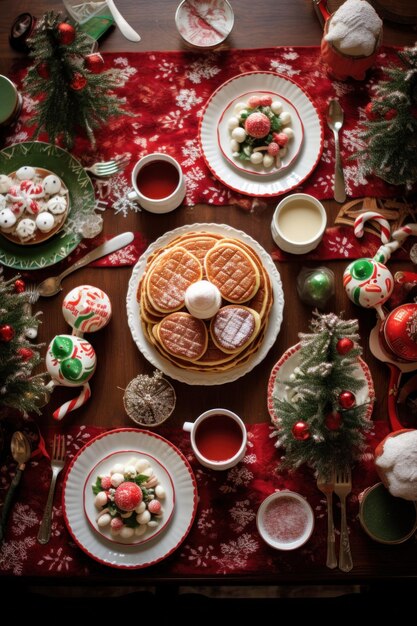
x: 97, y: 486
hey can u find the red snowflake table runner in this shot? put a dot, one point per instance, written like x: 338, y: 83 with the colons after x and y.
x: 167, y: 91
x: 223, y: 538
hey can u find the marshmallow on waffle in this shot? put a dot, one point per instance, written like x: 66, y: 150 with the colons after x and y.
x: 232, y: 270
x: 233, y: 328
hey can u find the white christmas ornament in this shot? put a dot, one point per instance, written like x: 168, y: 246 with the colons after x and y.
x: 354, y: 28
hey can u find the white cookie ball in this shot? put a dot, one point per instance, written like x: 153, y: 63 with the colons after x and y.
x: 5, y: 183
x: 160, y: 492
x: 233, y: 123
x: 130, y: 471
x: 289, y: 132
x: 52, y: 184
x: 45, y: 222
x: 143, y: 518
x: 256, y: 158
x: 117, y: 479
x: 26, y: 172
x: 141, y: 464
x: 234, y: 145
x: 140, y: 508
x: 7, y: 219
x: 100, y: 499
x: 239, y: 134
x: 239, y: 107
x: 276, y: 107
x: 140, y: 530
x: 26, y: 228
x: 57, y: 205
x: 127, y: 532
x: 268, y: 160
x: 117, y: 469
x: 285, y: 118
x: 153, y: 523
x: 104, y: 520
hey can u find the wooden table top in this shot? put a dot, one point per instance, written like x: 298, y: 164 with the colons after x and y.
x: 270, y: 23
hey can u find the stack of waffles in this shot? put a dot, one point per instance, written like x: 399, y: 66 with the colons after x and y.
x: 232, y: 334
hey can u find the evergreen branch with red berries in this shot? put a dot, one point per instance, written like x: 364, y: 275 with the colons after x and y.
x: 69, y: 83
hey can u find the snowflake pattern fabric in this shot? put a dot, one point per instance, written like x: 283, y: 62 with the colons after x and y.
x: 223, y: 538
x: 166, y: 93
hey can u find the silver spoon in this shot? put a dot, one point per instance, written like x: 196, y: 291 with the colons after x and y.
x: 52, y: 285
x: 21, y: 451
x: 335, y: 123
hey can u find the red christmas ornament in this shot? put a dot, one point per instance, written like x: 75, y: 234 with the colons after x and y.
x: 94, y: 63
x: 301, y: 431
x: 6, y: 333
x: 66, y: 33
x: 390, y: 114
x: 370, y: 113
x: 344, y: 345
x: 333, y: 420
x: 346, y: 400
x: 25, y: 353
x: 78, y: 82
x: 43, y: 70
x: 19, y: 286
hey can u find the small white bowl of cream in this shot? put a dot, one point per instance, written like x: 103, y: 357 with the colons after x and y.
x: 285, y: 520
x: 298, y: 223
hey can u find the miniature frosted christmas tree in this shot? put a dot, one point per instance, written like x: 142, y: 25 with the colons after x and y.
x: 18, y: 356
x: 390, y: 131
x: 68, y: 82
x: 319, y: 422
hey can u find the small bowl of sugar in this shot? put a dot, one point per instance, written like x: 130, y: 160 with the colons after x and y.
x: 285, y: 520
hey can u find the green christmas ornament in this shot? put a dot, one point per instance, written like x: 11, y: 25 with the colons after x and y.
x: 315, y: 286
x: 62, y: 347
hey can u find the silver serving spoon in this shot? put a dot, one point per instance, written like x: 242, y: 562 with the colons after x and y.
x: 335, y: 123
x: 20, y: 448
x: 124, y: 27
x: 52, y: 285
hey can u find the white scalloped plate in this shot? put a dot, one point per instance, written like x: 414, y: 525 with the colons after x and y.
x: 283, y: 369
x: 293, y: 146
x: 158, y: 547
x: 252, y: 184
x: 188, y: 376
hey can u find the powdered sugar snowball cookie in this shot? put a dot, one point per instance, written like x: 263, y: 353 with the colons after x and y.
x: 7, y: 220
x: 57, y: 205
x: 396, y: 463
x: 26, y: 172
x: 5, y: 183
x: 45, y: 222
x: 52, y: 184
x: 26, y: 229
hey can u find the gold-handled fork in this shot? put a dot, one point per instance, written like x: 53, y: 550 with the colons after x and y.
x: 342, y: 488
x: 58, y: 462
x: 326, y: 486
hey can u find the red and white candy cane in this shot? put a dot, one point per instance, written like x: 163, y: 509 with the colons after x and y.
x: 71, y: 405
x: 377, y: 217
x: 398, y: 237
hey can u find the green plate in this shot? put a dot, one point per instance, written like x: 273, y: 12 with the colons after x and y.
x: 82, y: 202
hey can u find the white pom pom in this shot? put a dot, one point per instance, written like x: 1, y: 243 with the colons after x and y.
x: 100, y: 500
x: 289, y: 132
x: 117, y: 479
x: 285, y: 118
x: 103, y: 520
x: 276, y: 107
x: 239, y: 107
x: 256, y: 158
x: 232, y: 123
x: 268, y: 160
x: 117, y: 469
x: 239, y: 134
x: 160, y: 492
x: 143, y: 518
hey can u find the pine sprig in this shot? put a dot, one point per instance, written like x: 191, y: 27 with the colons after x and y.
x: 19, y: 389
x: 390, y: 137
x: 63, y: 110
x: 312, y: 394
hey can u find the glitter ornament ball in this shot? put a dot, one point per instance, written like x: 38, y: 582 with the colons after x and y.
x: 6, y: 333
x: 86, y: 309
x: 70, y: 361
x: 66, y: 33
x: 301, y: 431
x: 78, y: 82
x: 333, y: 420
x: 315, y: 286
x: 344, y: 345
x: 43, y: 70
x: 94, y: 63
x: 346, y: 400
x: 19, y: 285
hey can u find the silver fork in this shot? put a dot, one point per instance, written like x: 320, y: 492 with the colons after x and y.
x: 106, y: 169
x: 342, y: 488
x: 326, y: 486
x: 58, y: 461
x: 33, y: 296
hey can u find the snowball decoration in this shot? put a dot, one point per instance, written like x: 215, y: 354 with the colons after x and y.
x: 44, y: 222
x: 25, y: 229
x: 396, y: 463
x: 57, y: 205
x: 86, y: 309
x: 52, y: 184
x: 7, y: 219
x: 26, y: 172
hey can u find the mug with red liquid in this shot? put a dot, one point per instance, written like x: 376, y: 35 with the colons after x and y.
x: 218, y: 439
x: 158, y: 183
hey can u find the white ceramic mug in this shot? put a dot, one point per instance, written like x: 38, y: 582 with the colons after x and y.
x: 298, y: 223
x: 214, y: 417
x: 163, y: 204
